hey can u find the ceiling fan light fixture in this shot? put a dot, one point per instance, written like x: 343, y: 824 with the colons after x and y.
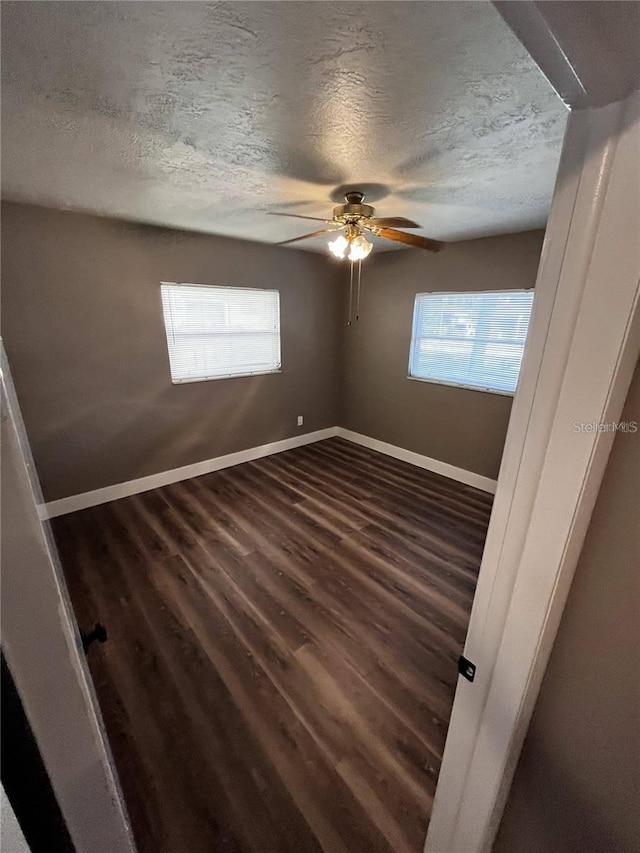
x: 339, y: 246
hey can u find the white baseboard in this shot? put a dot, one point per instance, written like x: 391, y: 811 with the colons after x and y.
x: 165, y: 478
x: 469, y: 478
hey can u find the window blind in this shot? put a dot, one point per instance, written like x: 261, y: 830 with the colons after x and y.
x: 475, y: 340
x: 218, y: 332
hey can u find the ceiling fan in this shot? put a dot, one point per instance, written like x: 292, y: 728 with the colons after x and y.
x: 354, y: 219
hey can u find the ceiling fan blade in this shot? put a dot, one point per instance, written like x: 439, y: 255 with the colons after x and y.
x: 410, y: 239
x: 394, y: 222
x: 307, y: 236
x: 297, y: 216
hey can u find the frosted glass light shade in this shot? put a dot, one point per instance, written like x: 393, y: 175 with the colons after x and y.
x: 338, y: 246
x: 360, y: 248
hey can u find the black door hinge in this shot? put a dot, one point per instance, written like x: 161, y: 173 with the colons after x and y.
x: 99, y: 633
x: 466, y: 668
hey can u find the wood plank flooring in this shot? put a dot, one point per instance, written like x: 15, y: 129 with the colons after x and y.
x: 283, y: 638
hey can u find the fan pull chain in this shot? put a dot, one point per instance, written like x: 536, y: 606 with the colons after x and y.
x: 350, y: 291
x: 358, y: 291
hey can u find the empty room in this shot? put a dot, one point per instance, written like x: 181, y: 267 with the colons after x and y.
x: 304, y: 426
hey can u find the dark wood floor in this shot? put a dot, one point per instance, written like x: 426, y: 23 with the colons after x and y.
x: 283, y: 638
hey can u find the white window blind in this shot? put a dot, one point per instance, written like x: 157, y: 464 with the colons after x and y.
x: 475, y: 340
x: 218, y: 332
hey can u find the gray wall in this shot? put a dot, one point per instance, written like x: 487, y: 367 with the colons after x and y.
x: 577, y: 786
x: 83, y: 328
x: 455, y: 425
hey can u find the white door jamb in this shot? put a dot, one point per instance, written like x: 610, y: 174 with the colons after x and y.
x: 583, y: 347
x: 43, y: 649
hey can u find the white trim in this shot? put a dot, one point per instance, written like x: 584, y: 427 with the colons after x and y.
x: 175, y: 475
x: 46, y: 658
x: 164, y: 478
x: 218, y: 287
x: 226, y: 376
x: 462, y: 385
x: 578, y: 363
x: 469, y: 478
x: 527, y: 20
x: 471, y: 292
x: 588, y: 64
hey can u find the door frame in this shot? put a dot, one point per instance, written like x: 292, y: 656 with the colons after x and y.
x: 583, y: 346
x: 43, y: 648
x: 584, y: 343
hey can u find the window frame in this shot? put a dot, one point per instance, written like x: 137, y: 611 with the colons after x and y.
x: 451, y: 384
x: 189, y: 380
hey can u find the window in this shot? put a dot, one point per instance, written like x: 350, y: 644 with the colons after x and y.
x: 475, y: 340
x: 218, y: 332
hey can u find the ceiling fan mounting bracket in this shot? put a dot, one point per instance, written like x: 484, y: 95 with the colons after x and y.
x: 354, y: 197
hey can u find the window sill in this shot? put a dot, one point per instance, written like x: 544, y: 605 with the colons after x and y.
x: 461, y: 385
x: 226, y: 376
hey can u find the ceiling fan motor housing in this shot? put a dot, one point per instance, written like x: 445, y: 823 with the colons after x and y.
x: 345, y: 212
x: 354, y: 209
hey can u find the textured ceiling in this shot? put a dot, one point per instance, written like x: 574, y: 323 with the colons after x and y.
x: 213, y: 116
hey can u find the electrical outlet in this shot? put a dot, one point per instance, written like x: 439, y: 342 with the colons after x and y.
x: 300, y: 420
